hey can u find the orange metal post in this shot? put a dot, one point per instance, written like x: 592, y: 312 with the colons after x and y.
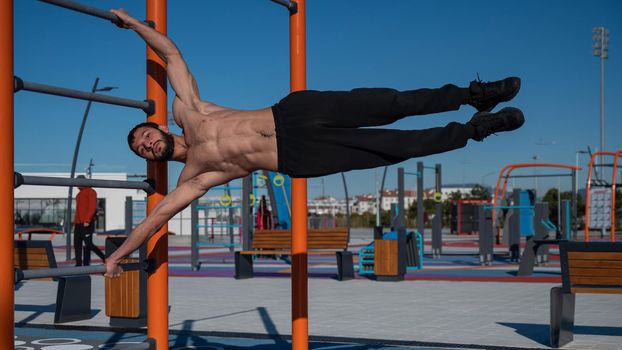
x: 157, y: 247
x: 298, y: 72
x: 588, y: 188
x: 613, y: 196
x: 6, y: 176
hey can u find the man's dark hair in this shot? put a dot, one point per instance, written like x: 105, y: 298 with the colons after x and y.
x: 130, y: 136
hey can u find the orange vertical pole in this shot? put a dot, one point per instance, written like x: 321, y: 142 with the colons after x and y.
x: 587, y: 199
x: 6, y: 176
x: 298, y: 73
x: 157, y: 247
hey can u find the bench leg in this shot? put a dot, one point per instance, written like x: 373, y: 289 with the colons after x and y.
x: 528, y: 259
x: 73, y: 299
x: 562, y: 317
x: 243, y: 266
x: 345, y: 266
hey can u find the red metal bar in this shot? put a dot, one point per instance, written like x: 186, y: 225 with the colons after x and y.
x: 157, y: 247
x: 300, y: 322
x: 459, y: 217
x: 7, y: 296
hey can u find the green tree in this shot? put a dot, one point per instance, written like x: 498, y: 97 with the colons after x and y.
x: 480, y: 192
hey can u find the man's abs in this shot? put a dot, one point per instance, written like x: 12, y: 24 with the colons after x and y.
x: 244, y: 138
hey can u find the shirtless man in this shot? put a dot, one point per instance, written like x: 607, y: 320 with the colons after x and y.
x: 306, y: 134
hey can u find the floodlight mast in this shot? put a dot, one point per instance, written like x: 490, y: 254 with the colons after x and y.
x: 601, y: 50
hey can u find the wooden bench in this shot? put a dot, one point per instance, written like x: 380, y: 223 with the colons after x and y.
x: 39, y: 231
x: 73, y: 296
x: 279, y: 242
x: 586, y: 268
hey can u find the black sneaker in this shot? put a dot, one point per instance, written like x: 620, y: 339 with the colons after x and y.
x: 486, y: 95
x: 486, y: 123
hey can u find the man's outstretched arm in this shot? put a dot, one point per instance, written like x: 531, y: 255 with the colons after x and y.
x: 178, y: 73
x: 170, y: 205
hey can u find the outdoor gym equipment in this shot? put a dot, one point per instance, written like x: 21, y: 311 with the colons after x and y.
x: 157, y: 327
x: 148, y: 106
x: 437, y: 222
x: 504, y: 176
x: 600, y: 201
x: 157, y: 304
x: 21, y: 275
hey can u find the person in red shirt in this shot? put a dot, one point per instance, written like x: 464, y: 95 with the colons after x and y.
x: 84, y: 225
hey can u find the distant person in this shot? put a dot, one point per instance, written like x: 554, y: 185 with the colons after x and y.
x: 84, y: 226
x: 306, y: 134
x: 263, y: 216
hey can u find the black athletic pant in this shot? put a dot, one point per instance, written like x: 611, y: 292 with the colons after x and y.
x: 84, y: 235
x: 325, y: 132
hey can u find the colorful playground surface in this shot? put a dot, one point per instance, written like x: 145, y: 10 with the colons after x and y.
x: 452, y: 303
x: 60, y: 338
x: 459, y: 262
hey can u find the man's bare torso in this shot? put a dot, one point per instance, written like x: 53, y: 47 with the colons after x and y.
x: 235, y: 142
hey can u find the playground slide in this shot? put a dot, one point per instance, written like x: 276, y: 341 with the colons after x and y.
x: 282, y: 197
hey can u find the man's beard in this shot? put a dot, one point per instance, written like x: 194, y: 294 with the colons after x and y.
x: 169, y: 147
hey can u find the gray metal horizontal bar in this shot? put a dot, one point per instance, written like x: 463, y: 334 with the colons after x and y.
x: 538, y: 175
x: 219, y: 206
x: 226, y: 188
x: 220, y: 226
x: 89, y: 10
x: 147, y: 106
x: 74, y: 271
x: 19, y: 179
x: 291, y: 6
x: 410, y: 173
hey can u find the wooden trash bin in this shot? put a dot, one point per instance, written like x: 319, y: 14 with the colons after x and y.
x: 126, y: 296
x: 385, y: 258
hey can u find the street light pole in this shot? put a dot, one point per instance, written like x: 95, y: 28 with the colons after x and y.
x: 601, y: 50
x: 485, y: 176
x: 577, y: 165
x: 67, y: 225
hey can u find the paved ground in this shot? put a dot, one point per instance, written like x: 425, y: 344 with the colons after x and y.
x: 420, y: 313
x: 454, y: 314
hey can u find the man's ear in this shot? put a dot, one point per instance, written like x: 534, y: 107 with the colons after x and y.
x: 164, y: 128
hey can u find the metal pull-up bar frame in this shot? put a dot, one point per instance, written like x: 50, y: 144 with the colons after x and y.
x: 291, y: 6
x: 89, y: 10
x: 147, y: 185
x: 21, y: 275
x: 154, y: 107
x: 148, y: 106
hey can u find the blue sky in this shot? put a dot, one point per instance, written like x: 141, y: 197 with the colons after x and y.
x: 238, y: 52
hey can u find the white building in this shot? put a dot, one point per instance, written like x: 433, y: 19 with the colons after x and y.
x: 391, y: 197
x: 365, y: 203
x: 326, y: 205
x: 46, y: 205
x: 447, y: 190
